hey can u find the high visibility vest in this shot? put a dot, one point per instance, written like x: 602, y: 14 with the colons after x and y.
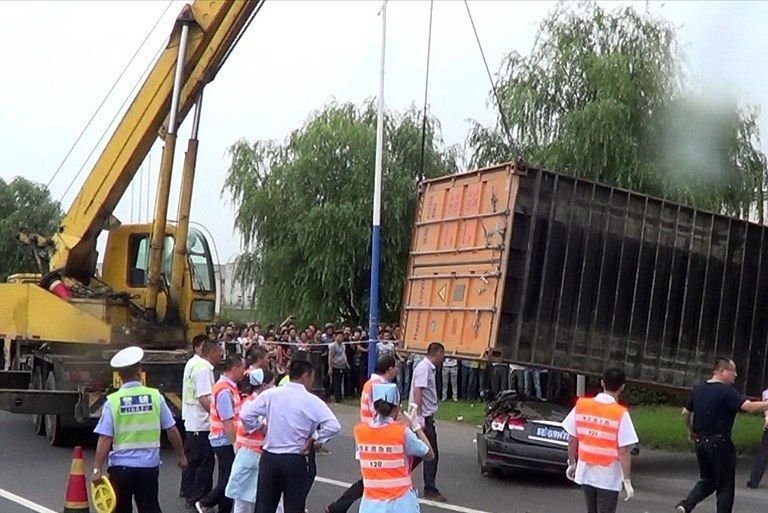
x: 217, y: 425
x: 597, y: 428
x: 383, y: 463
x: 188, y: 391
x: 253, y: 441
x: 135, y: 418
x: 366, y: 405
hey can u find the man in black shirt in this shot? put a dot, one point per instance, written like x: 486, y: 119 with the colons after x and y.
x: 709, y: 416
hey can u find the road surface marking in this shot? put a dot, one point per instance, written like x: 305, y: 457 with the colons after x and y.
x: 21, y: 501
x: 441, y: 505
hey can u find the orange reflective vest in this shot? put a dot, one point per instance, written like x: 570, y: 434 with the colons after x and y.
x: 253, y: 441
x: 383, y: 463
x: 597, y: 428
x: 366, y: 404
x: 217, y: 426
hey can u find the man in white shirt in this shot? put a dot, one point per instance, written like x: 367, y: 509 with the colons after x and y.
x: 599, y: 449
x: 450, y: 374
x: 761, y: 461
x: 423, y: 399
x: 297, y: 422
x: 197, y: 478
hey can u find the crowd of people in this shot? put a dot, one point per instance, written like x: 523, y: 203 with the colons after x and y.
x: 340, y: 357
x: 263, y: 435
x: 262, y: 432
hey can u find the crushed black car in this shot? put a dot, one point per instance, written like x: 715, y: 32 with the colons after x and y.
x: 522, y: 433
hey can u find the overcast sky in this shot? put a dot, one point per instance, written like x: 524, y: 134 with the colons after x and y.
x: 61, y: 58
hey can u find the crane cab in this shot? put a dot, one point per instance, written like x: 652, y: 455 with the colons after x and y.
x: 125, y: 269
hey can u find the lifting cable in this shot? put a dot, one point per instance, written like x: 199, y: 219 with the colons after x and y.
x: 128, y: 97
x: 426, y: 91
x: 503, y: 118
x: 104, y: 100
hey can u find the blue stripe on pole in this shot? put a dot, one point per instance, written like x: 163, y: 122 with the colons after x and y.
x: 373, y: 310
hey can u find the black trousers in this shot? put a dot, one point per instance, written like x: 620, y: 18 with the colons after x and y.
x: 135, y: 484
x: 343, y: 503
x: 197, y: 478
x: 761, y: 462
x: 287, y: 475
x: 599, y: 500
x: 717, y: 468
x: 225, y: 456
x: 339, y: 382
x: 430, y: 467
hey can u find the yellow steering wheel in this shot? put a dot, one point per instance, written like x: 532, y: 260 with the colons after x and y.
x: 103, y: 495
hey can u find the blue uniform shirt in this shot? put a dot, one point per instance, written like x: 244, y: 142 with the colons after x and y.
x: 225, y: 406
x: 135, y: 458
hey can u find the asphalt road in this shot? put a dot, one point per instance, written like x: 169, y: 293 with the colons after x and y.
x: 32, y: 470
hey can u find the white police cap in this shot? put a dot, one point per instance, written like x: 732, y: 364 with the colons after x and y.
x: 386, y: 392
x: 127, y: 357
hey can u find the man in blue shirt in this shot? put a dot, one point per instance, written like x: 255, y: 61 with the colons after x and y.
x: 297, y: 422
x: 130, y: 424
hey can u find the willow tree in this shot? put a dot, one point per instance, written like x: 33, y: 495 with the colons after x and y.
x: 603, y: 95
x: 25, y: 206
x: 303, y: 209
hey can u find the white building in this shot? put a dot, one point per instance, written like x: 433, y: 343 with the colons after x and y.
x: 231, y: 291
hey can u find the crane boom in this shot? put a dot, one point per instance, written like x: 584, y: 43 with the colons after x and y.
x: 214, y: 29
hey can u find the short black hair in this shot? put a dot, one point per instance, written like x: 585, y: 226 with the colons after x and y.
x: 384, y: 363
x: 130, y: 373
x: 613, y: 379
x: 299, y: 368
x: 721, y: 363
x: 256, y: 354
x: 210, y: 346
x: 435, y: 347
x: 199, y: 340
x: 383, y: 408
x: 232, y: 361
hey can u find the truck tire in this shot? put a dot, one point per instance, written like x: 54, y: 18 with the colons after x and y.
x: 36, y: 383
x: 54, y: 431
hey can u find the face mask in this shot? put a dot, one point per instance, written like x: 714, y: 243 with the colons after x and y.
x: 256, y: 377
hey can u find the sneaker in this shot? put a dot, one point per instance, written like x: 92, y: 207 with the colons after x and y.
x: 751, y: 486
x: 680, y: 509
x: 434, y: 495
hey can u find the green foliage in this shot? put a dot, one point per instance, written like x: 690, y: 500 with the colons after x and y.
x: 25, y: 206
x: 304, y: 211
x: 603, y: 96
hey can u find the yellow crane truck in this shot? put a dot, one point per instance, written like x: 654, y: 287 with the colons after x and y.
x: 156, y: 288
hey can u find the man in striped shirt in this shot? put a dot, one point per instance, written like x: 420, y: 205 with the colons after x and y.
x: 385, y: 372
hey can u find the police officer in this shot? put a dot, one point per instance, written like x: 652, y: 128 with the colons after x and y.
x: 130, y: 424
x: 384, y: 448
x: 709, y: 417
x: 599, y: 448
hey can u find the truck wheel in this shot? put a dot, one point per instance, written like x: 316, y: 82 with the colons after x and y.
x: 53, y: 428
x: 36, y: 383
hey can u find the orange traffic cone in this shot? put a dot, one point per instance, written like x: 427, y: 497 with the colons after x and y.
x: 76, y: 500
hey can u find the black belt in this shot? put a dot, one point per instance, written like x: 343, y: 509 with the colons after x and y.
x: 711, y: 438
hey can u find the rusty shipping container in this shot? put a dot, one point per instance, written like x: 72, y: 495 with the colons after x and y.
x: 536, y: 267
